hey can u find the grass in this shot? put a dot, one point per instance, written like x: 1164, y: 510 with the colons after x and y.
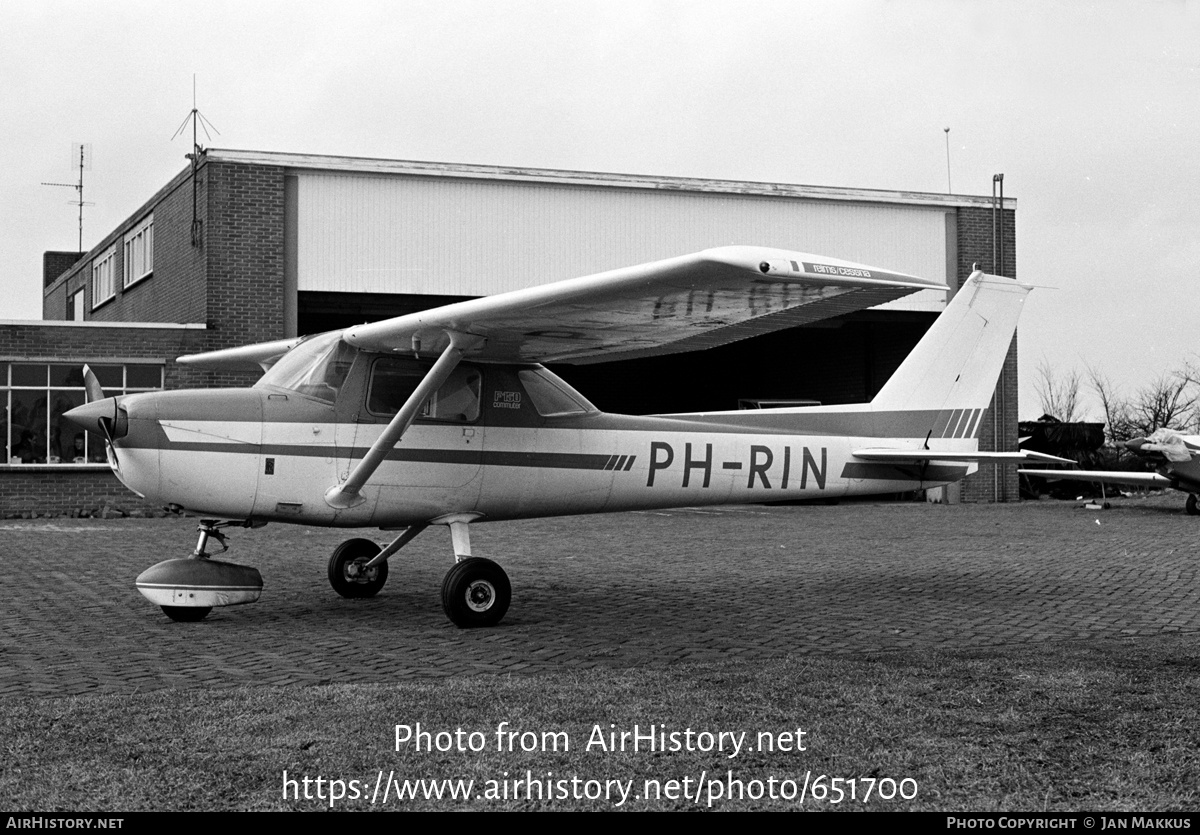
x: 1098, y: 726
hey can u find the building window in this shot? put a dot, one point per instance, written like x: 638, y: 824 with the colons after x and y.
x: 139, y: 252
x: 102, y: 277
x: 75, y: 306
x: 35, y: 396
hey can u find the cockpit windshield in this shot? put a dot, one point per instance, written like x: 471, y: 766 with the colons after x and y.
x: 316, y: 367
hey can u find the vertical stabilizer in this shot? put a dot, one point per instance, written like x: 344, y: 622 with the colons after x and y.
x: 958, y: 361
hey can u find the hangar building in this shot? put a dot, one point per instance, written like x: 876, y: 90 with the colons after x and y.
x: 249, y: 246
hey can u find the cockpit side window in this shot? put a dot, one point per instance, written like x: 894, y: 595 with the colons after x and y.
x: 393, y: 379
x: 316, y: 367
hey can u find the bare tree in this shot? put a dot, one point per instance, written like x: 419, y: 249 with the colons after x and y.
x: 1059, y: 396
x: 1116, y: 407
x: 1166, y: 403
x: 1170, y: 401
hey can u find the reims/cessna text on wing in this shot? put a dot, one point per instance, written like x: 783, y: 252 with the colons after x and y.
x: 447, y: 417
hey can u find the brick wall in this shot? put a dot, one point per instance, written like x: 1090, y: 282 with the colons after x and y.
x: 174, y: 292
x: 977, y: 232
x: 60, y: 492
x: 976, y: 235
x: 55, y: 264
x: 245, y: 240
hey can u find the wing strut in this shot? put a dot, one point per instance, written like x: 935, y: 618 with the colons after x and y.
x: 346, y: 494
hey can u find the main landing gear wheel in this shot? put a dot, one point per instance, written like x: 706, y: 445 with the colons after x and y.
x: 186, y: 614
x: 1190, y: 505
x: 476, y: 592
x: 348, y: 573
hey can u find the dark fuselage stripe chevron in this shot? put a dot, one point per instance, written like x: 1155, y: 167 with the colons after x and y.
x: 500, y: 458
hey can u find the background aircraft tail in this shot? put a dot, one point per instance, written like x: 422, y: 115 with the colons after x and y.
x: 956, y: 364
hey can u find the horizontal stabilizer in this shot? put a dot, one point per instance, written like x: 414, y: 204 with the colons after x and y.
x: 970, y: 455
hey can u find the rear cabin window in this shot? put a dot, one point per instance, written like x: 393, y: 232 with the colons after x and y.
x: 551, y: 396
x: 393, y: 380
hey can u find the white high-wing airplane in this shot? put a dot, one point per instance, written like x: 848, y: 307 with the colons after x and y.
x: 1176, y: 458
x: 446, y: 417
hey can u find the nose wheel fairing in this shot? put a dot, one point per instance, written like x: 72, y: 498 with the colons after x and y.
x: 188, y: 582
x: 188, y: 588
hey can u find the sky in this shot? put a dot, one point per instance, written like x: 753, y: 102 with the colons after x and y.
x: 1090, y: 110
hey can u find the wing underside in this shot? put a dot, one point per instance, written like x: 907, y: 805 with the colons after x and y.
x: 681, y: 304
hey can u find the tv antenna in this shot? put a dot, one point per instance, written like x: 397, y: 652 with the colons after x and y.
x: 199, y: 122
x: 81, y: 152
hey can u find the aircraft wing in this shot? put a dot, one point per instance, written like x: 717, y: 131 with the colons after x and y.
x: 1105, y: 476
x: 1023, y: 456
x: 681, y: 304
x: 260, y: 355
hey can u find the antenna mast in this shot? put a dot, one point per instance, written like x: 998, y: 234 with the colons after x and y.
x: 948, y: 186
x: 199, y: 122
x: 84, y: 152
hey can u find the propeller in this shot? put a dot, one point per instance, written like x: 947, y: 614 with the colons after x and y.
x: 111, y: 427
x: 91, y: 385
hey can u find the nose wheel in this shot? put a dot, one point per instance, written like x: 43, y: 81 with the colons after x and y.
x: 348, y: 572
x: 186, y: 614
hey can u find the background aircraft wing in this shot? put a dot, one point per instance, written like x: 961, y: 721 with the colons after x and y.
x: 1105, y: 476
x: 681, y: 304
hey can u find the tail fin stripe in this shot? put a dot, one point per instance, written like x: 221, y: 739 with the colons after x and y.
x: 963, y: 419
x: 956, y: 423
x: 948, y: 423
x: 974, y: 427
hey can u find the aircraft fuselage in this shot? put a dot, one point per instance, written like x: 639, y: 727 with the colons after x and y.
x: 269, y: 454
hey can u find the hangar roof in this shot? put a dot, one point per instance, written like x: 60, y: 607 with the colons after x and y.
x: 316, y: 162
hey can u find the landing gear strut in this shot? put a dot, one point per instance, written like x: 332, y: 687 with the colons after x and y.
x: 475, y: 592
x: 1190, y: 505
